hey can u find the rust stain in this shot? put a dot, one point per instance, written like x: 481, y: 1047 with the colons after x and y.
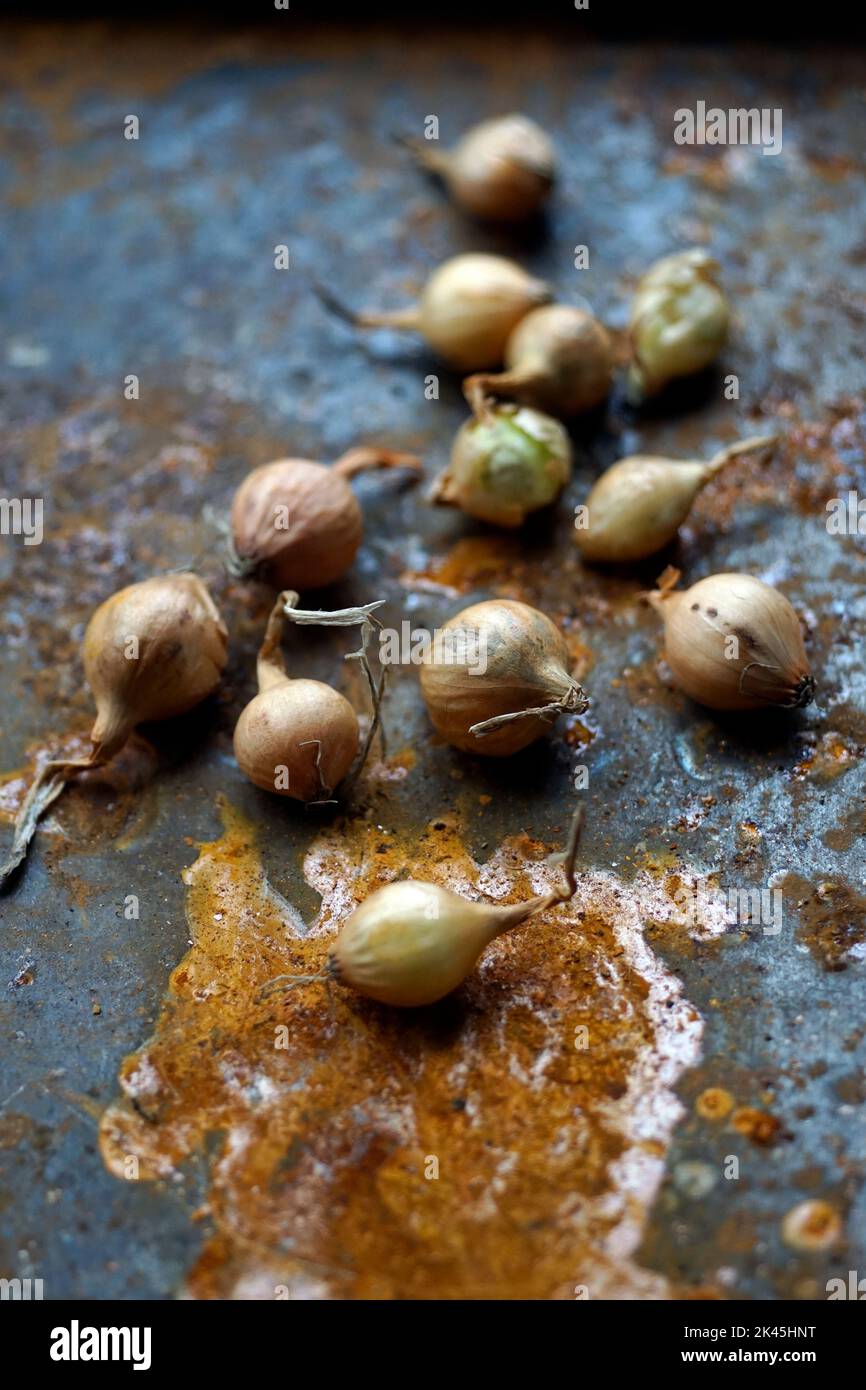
x: 757, y: 1125
x: 714, y: 1103
x: 812, y: 1225
x: 832, y: 919
x: 474, y: 562
x: 852, y: 827
x: 96, y: 805
x: 366, y: 1152
x: 807, y: 468
x: 832, y: 755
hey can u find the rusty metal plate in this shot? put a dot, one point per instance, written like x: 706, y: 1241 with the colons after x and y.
x: 153, y: 1138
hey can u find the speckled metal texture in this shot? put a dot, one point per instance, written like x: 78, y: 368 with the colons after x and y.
x: 707, y: 1041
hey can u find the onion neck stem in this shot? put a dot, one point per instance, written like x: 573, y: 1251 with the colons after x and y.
x: 478, y: 388
x: 407, y: 318
x: 270, y: 663
x: 732, y: 451
x: 388, y: 318
x: 271, y: 668
x: 666, y: 588
x: 512, y: 916
x: 425, y: 153
x: 364, y: 457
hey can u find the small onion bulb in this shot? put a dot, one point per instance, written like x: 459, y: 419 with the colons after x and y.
x: 152, y: 651
x: 496, y: 677
x: 679, y: 322
x: 637, y: 506
x: 505, y: 463
x: 298, y: 737
x: 298, y: 523
x: 733, y: 642
x: 559, y: 358
x: 411, y: 943
x: 466, y: 311
x: 501, y: 170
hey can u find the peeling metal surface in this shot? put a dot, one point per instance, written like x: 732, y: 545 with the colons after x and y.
x: 155, y: 257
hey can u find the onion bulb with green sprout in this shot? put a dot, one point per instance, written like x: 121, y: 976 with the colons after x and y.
x: 733, y: 642
x: 505, y: 463
x: 558, y: 359
x: 466, y: 311
x: 501, y: 170
x: 679, y: 322
x: 299, y: 737
x: 298, y: 524
x: 151, y: 651
x: 637, y: 506
x: 411, y: 943
x: 497, y: 676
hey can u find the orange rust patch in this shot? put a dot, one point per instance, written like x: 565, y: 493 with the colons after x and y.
x: 757, y: 1125
x: 474, y: 562
x: 820, y: 444
x: 505, y: 1143
x: 832, y: 917
x: 832, y: 755
x: 714, y: 1103
x: 811, y: 1225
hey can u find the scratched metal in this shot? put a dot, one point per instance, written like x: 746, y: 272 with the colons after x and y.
x: 155, y: 257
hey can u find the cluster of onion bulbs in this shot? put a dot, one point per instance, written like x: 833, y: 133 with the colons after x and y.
x: 156, y: 649
x: 531, y: 363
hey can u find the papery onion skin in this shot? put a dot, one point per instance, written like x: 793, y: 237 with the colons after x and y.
x: 325, y: 523
x: 770, y: 666
x: 304, y: 726
x: 526, y: 665
x: 679, y: 321
x: 502, y: 170
x: 298, y: 523
x: 470, y: 305
x: 411, y: 943
x: 509, y: 462
x: 182, y: 647
x: 558, y: 359
x: 636, y: 507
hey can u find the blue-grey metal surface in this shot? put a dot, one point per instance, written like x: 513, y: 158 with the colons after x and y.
x: 155, y: 257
